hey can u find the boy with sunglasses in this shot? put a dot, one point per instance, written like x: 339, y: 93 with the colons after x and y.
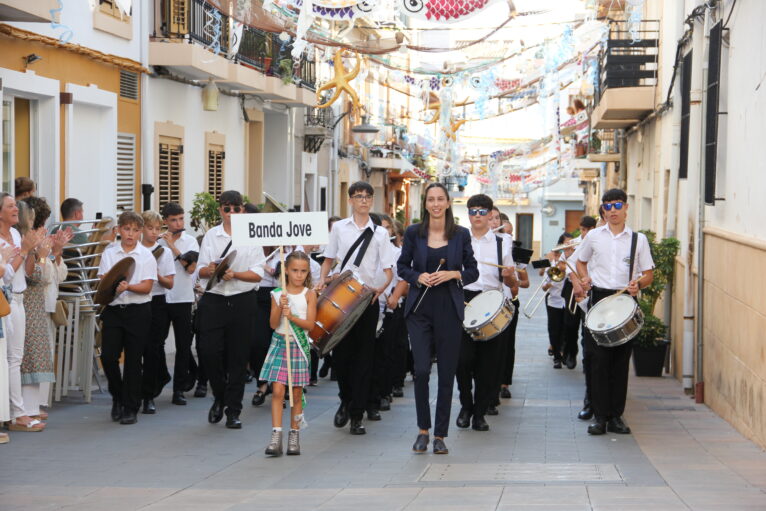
x: 604, y: 263
x: 226, y: 312
x: 479, y: 363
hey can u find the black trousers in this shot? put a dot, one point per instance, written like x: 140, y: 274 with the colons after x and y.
x: 435, y: 328
x: 226, y: 325
x: 262, y: 338
x: 571, y: 324
x: 196, y: 370
x: 506, y: 375
x: 352, y: 361
x: 608, y: 371
x: 478, y: 361
x: 556, y: 329
x: 388, y: 355
x: 125, y: 328
x: 163, y: 315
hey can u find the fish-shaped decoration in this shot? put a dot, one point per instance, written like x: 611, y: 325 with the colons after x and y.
x: 448, y: 11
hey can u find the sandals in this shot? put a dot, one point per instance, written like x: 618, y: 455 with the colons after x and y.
x: 32, y: 426
x: 4, y: 438
x: 42, y: 417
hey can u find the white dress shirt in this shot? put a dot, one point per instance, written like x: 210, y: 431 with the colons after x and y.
x: 183, y: 283
x: 383, y: 298
x: 145, y: 269
x: 17, y: 279
x: 247, y: 259
x: 165, y: 267
x: 485, y: 251
x: 608, y: 257
x: 379, y: 255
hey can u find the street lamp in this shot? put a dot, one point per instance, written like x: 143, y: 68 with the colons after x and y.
x: 365, y: 132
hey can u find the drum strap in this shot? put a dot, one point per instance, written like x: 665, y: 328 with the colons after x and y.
x: 499, y: 241
x: 364, y: 239
x: 633, y: 243
x: 225, y: 250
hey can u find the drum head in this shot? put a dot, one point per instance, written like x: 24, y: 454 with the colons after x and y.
x: 351, y: 318
x: 611, y: 312
x: 482, y: 308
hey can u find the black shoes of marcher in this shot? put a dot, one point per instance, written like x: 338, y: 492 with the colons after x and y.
x: 116, y: 411
x: 571, y: 362
x: 248, y: 377
x: 557, y: 364
x: 178, y: 399
x: 616, y: 425
x: 128, y: 417
x: 463, y: 418
x: 480, y: 424
x: 341, y: 416
x: 373, y: 415
x: 324, y: 369
x: 398, y: 392
x: 233, y: 422
x: 492, y: 410
x: 149, y: 407
x: 215, y: 414
x: 200, y: 391
x: 585, y: 414
x: 258, y: 398
x: 440, y: 447
x: 357, y: 428
x: 597, y: 428
x: 385, y: 404
x: 421, y: 443
x: 505, y: 393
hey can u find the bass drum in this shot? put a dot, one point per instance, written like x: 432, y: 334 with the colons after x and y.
x: 614, y: 320
x: 339, y: 307
x: 488, y: 315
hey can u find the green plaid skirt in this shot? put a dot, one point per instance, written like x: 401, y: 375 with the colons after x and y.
x: 275, y: 366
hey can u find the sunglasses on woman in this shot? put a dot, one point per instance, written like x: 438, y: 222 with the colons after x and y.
x: 617, y: 205
x: 478, y: 211
x: 233, y: 209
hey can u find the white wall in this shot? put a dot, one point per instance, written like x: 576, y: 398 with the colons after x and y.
x: 276, y: 156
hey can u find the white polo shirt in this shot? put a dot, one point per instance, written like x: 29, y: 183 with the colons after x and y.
x: 183, y: 283
x: 248, y: 258
x: 608, y: 257
x: 17, y: 279
x: 145, y: 269
x: 165, y: 267
x: 485, y: 250
x: 379, y: 255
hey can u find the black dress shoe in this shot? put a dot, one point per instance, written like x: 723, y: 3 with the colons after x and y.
x: 385, y: 404
x: 313, y: 382
x: 373, y: 415
x: 200, y: 391
x: 571, y: 361
x: 233, y: 422
x: 258, y: 398
x: 557, y: 364
x: 550, y: 352
x: 116, y: 411
x: 248, y: 377
x: 463, y: 418
x: 440, y: 447
x: 128, y: 417
x: 357, y: 428
x: 341, y: 416
x: 324, y: 369
x: 190, y: 386
x: 505, y: 393
x: 597, y: 428
x: 616, y: 425
x: 215, y: 414
x: 479, y: 423
x: 398, y: 392
x: 492, y: 410
x: 421, y: 443
x: 585, y: 414
x: 178, y: 399
x: 149, y: 407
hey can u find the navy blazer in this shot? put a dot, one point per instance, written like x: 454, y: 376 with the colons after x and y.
x: 412, y: 262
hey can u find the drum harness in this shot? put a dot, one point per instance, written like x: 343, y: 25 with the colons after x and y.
x: 364, y: 239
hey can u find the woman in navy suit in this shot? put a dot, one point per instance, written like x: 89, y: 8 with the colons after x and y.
x: 434, y: 306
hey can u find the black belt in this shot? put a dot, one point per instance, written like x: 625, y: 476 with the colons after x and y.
x: 223, y: 298
x: 604, y: 291
x: 127, y: 305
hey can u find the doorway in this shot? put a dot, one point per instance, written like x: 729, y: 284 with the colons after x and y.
x: 572, y: 219
x: 524, y: 228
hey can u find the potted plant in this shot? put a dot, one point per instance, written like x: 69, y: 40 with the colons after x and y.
x: 204, y: 213
x: 651, y: 344
x: 286, y: 70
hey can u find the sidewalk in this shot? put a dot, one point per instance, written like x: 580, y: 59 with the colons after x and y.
x: 536, y: 456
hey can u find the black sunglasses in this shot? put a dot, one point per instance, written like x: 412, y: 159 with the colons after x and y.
x: 235, y: 209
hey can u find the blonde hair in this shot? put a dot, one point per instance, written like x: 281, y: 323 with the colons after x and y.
x: 151, y: 217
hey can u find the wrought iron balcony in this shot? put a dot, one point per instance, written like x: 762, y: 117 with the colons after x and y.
x: 196, y: 20
x: 605, y: 145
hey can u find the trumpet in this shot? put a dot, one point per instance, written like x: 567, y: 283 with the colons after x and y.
x: 555, y: 275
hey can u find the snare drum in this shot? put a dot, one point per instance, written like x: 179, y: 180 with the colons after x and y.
x: 487, y: 315
x: 614, y: 320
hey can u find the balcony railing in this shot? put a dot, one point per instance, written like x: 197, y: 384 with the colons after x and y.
x: 626, y: 62
x: 605, y: 145
x: 197, y: 20
x: 321, y: 117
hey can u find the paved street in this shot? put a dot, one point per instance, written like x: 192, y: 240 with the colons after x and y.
x: 536, y: 456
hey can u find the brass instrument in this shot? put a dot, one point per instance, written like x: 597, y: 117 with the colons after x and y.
x: 555, y: 275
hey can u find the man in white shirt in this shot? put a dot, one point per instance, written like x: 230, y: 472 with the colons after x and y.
x: 479, y: 363
x: 126, y: 320
x: 179, y: 298
x: 353, y: 356
x: 604, y: 265
x: 226, y: 312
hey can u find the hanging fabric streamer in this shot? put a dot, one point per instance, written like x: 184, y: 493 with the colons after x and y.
x: 68, y: 33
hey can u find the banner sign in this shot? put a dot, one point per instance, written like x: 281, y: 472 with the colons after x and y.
x: 274, y: 229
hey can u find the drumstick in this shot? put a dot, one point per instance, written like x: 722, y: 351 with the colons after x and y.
x: 286, y: 324
x: 441, y: 262
x: 498, y: 265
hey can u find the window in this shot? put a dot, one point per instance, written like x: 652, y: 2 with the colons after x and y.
x: 711, y: 112
x: 686, y: 84
x: 111, y: 18
x: 112, y: 7
x: 215, y: 144
x: 126, y: 172
x: 169, y: 170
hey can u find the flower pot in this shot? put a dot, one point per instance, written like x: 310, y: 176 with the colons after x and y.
x: 649, y: 360
x: 266, y: 64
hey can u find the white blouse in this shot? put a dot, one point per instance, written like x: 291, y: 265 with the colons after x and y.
x: 298, y: 306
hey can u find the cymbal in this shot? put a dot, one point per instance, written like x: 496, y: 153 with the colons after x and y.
x: 564, y: 246
x: 158, y: 251
x: 217, y: 275
x: 107, y: 287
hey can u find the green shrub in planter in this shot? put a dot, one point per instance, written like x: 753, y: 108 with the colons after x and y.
x: 663, y: 253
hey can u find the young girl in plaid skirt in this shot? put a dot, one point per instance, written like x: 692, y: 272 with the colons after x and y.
x: 298, y: 305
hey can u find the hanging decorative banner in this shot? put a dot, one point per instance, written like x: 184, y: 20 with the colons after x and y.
x: 340, y: 82
x: 446, y: 11
x: 68, y: 33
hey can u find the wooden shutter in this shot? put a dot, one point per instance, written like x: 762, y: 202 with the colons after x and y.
x: 711, y: 110
x: 215, y: 157
x: 179, y: 16
x: 169, y: 172
x: 126, y: 172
